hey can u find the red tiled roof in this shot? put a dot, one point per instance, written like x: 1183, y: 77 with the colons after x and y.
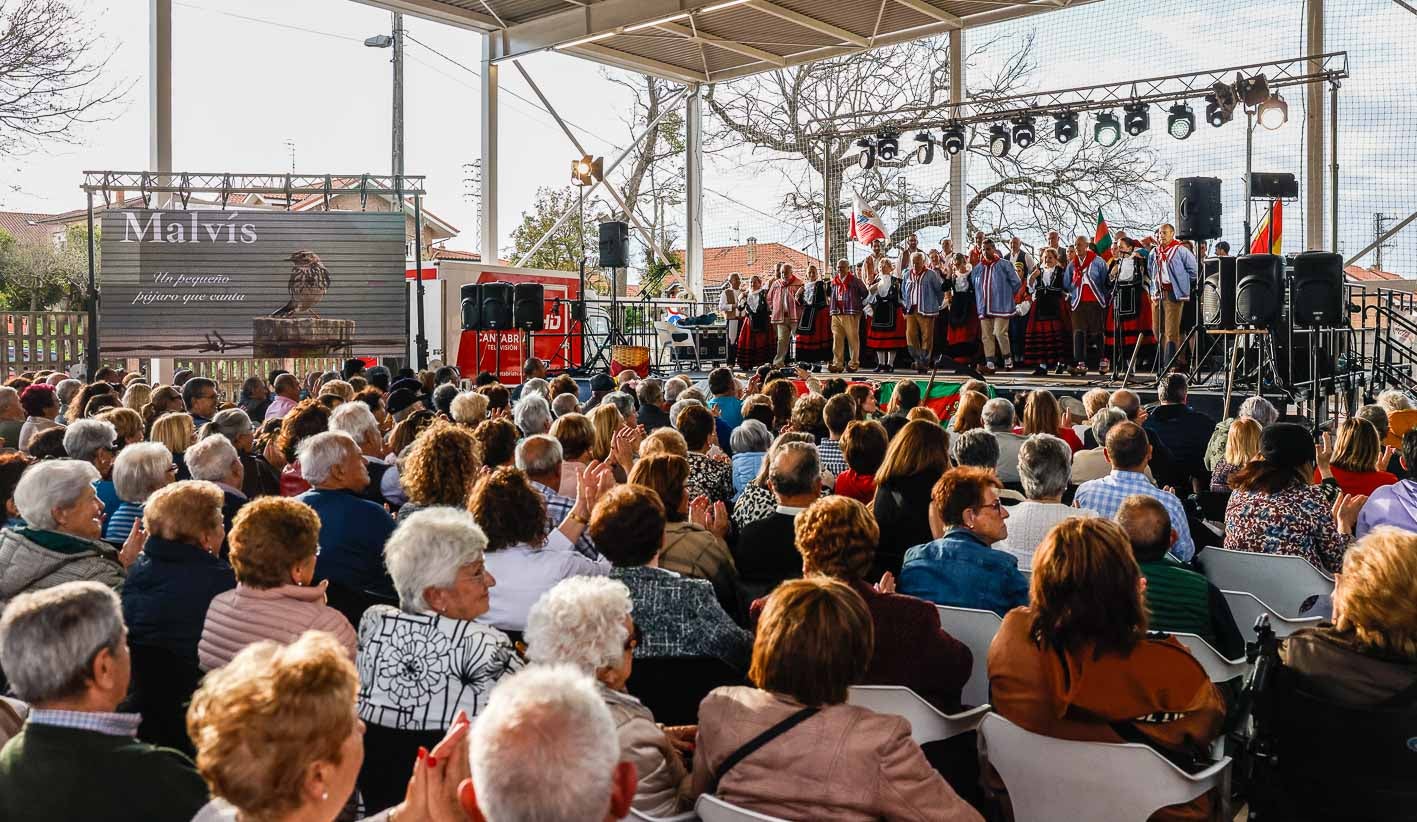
x: 342, y: 184
x: 22, y: 225
x: 1370, y: 274
x: 454, y: 254
x: 720, y: 261
x: 98, y: 206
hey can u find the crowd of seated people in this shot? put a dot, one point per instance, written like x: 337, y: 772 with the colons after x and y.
x: 416, y: 598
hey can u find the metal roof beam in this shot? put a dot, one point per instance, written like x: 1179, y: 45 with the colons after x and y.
x: 634, y: 62
x: 931, y: 11
x: 806, y: 22
x: 727, y: 45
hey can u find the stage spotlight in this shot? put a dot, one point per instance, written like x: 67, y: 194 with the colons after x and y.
x: 1107, y: 130
x: 1220, y: 104
x: 587, y: 170
x: 888, y: 144
x: 1253, y: 90
x: 867, y: 157
x: 1137, y: 118
x: 1274, y: 112
x: 1023, y: 132
x: 953, y: 138
x: 1065, y: 126
x: 925, y: 153
x: 998, y: 140
x: 1181, y: 122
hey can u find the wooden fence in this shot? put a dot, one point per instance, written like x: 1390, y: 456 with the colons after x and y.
x: 30, y: 341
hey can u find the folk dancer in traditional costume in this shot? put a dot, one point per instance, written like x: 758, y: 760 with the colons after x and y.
x: 814, y: 334
x: 1088, y: 296
x: 1024, y: 266
x: 1128, y: 270
x: 782, y: 301
x: 1173, y: 274
x: 976, y: 251
x: 728, y: 307
x: 995, y: 282
x: 962, y: 322
x: 848, y: 297
x: 755, y: 338
x: 922, y: 297
x: 886, y: 333
x: 1046, y: 341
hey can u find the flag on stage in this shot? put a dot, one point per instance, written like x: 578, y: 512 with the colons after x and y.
x: 942, y: 400
x: 866, y: 226
x: 1268, y: 240
x: 1102, y: 238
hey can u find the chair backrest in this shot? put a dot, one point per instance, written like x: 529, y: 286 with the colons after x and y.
x: 673, y: 686
x: 1279, y: 581
x: 1247, y: 607
x: 927, y: 723
x: 1216, y: 666
x: 1049, y: 779
x: 712, y: 809
x: 976, y: 629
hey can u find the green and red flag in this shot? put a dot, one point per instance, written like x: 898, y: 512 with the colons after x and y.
x: 942, y: 398
x: 1102, y: 238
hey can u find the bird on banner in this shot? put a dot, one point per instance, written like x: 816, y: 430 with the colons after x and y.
x: 1268, y: 239
x: 309, y: 280
x: 866, y: 226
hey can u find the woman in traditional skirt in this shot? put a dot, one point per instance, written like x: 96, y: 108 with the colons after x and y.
x: 962, y: 335
x: 814, y: 328
x: 1047, y: 340
x: 728, y: 307
x: 756, y: 344
x: 885, y: 333
x: 1138, y: 325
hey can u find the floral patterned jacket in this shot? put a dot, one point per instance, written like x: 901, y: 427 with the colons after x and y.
x: 417, y: 670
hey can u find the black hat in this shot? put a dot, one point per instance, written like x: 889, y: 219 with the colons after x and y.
x: 602, y: 382
x: 408, y: 384
x: 1287, y: 444
x: 400, y: 399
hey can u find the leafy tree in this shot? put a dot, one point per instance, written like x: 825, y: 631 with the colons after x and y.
x: 35, y: 275
x: 562, y: 252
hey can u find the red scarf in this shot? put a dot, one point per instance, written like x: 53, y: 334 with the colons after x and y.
x: 1080, y: 274
x: 1163, y: 272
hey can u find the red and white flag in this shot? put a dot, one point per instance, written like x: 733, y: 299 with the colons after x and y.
x: 866, y: 226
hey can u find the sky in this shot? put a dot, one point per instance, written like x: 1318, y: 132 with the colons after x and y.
x: 250, y: 77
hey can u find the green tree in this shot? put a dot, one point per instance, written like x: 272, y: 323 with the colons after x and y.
x: 563, y: 250
x: 37, y: 275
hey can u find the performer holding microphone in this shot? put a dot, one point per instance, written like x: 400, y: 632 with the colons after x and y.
x: 995, y: 282
x: 813, y: 339
x: 1173, y: 274
x: 1088, y: 296
x: 755, y: 338
x: 1046, y: 341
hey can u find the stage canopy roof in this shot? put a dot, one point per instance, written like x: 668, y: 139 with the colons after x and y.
x: 704, y: 41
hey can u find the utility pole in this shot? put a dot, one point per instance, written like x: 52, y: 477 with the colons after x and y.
x: 290, y: 149
x: 398, y: 103
x: 472, y: 192
x: 1380, y: 221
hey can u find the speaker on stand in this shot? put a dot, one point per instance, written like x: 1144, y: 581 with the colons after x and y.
x: 1317, y: 307
x: 1198, y: 208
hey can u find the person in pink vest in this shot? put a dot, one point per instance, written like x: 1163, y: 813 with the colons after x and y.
x: 786, y: 311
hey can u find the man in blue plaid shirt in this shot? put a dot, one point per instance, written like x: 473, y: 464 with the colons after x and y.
x: 540, y: 457
x: 1128, y: 450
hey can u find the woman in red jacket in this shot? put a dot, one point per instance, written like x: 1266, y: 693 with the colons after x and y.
x: 1359, y: 459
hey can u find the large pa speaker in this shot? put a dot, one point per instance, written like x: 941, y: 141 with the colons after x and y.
x: 1259, y: 280
x: 1218, y: 293
x: 1198, y: 208
x: 529, y: 306
x: 496, y: 306
x: 1273, y: 184
x: 614, y: 245
x: 1318, y: 300
x: 471, y: 296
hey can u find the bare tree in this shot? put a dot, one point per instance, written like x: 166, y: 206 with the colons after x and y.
x: 51, y: 76
x: 803, y: 112
x: 654, y: 168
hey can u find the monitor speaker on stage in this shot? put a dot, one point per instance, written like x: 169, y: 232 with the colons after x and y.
x: 614, y: 245
x: 471, y: 295
x: 1197, y: 208
x: 1318, y: 300
x: 1218, y: 294
x: 1270, y: 185
x: 529, y: 306
x: 496, y: 306
x: 1259, y: 279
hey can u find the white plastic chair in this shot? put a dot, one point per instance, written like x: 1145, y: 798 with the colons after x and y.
x: 712, y: 809
x: 641, y: 816
x: 1050, y: 779
x: 927, y: 723
x: 1216, y: 666
x: 666, y: 333
x: 976, y: 629
x: 1246, y: 608
x: 1282, y: 582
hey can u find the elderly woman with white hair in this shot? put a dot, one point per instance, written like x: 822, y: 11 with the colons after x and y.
x: 585, y: 622
x: 258, y: 477
x: 215, y: 460
x: 426, y: 661
x: 469, y: 408
x: 750, y: 443
x: 1258, y: 409
x: 1045, y: 464
x: 138, y: 471
x: 532, y: 415
x: 96, y: 442
x: 62, y: 542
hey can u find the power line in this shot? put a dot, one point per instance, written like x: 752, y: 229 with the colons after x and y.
x: 275, y: 23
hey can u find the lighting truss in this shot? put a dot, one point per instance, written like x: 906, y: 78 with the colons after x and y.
x: 185, y: 184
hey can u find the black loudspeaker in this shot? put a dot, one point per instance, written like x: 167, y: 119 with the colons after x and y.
x: 1218, y: 293
x: 1198, y: 208
x: 496, y: 306
x: 1318, y: 299
x: 1267, y: 184
x: 471, y: 295
x: 529, y: 306
x: 614, y: 245
x: 1259, y: 280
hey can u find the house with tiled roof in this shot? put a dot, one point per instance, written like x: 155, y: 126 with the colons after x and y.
x: 1371, y: 274
x: 25, y: 226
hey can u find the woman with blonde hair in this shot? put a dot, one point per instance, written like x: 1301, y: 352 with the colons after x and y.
x: 1359, y: 459
x: 968, y: 414
x: 175, y: 431
x: 1043, y: 415
x: 440, y: 469
x: 339, y: 388
x: 137, y: 395
x: 915, y: 461
x: 161, y: 400
x: 606, y: 420
x: 1242, y: 444
x: 127, y: 422
x: 1077, y: 663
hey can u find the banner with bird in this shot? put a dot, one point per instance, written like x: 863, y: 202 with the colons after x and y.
x: 1269, y: 239
x: 866, y: 226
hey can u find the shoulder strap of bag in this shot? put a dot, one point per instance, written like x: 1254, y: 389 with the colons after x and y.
x: 752, y: 745
x: 1187, y: 762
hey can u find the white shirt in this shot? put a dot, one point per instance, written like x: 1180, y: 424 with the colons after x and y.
x: 524, y: 573
x: 1030, y: 521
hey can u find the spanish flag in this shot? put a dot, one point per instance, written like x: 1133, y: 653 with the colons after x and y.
x: 1268, y: 240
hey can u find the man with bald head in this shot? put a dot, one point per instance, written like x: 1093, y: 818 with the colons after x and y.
x: 1162, y: 462
x: 1127, y: 451
x: 540, y: 458
x: 1178, y: 600
x: 1173, y: 273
